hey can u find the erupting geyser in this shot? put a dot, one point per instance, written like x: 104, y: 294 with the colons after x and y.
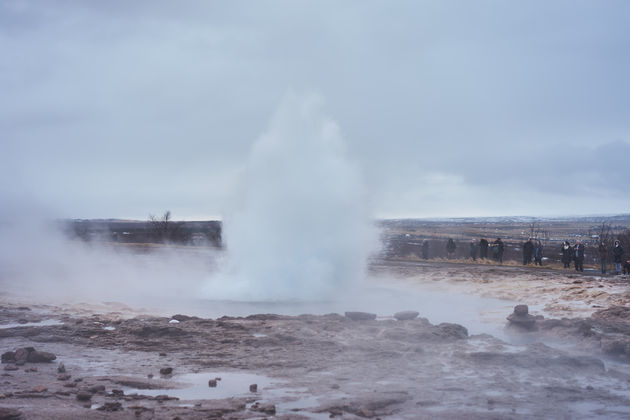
x: 301, y: 229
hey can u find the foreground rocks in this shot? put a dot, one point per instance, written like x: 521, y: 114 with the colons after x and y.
x: 27, y: 354
x: 348, y: 366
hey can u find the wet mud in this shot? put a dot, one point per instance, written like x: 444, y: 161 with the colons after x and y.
x: 567, y: 359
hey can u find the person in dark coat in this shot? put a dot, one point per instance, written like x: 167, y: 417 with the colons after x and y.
x: 618, y: 256
x: 603, y: 256
x: 528, y: 251
x: 450, y: 248
x: 498, y: 247
x: 473, y: 250
x: 538, y: 253
x: 425, y: 249
x: 483, y: 249
x: 567, y: 254
x: 578, y: 256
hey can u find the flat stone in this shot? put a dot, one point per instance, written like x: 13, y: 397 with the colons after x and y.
x: 524, y: 321
x: 9, y: 413
x: 84, y: 396
x: 406, y: 315
x: 360, y: 316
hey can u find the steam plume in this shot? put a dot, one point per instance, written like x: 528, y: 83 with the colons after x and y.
x: 302, y: 229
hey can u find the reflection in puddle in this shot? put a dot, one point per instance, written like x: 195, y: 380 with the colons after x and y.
x: 194, y: 386
x: 44, y: 323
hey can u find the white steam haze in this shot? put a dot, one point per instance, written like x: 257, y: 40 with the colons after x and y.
x: 37, y: 261
x: 301, y: 229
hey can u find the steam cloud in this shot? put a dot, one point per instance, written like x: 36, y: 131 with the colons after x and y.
x: 302, y: 229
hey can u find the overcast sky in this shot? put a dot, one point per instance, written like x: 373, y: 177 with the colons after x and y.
x: 451, y: 108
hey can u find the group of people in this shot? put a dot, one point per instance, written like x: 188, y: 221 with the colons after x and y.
x: 617, y: 254
x: 497, y: 247
x: 533, y: 251
x: 575, y: 253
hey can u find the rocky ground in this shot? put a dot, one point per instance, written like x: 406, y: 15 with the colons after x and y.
x: 566, y: 356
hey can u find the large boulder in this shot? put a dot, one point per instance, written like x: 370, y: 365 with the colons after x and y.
x: 521, y: 318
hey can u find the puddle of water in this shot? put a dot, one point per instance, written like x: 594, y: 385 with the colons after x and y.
x: 44, y: 323
x: 606, y: 410
x: 194, y: 386
x: 257, y: 335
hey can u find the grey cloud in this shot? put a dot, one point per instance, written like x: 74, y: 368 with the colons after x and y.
x: 122, y: 96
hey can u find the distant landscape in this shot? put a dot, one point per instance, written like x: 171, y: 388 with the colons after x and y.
x: 401, y: 238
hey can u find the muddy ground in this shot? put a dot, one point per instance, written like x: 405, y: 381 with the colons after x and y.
x: 567, y: 358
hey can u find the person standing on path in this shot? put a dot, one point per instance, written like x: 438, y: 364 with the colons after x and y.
x: 603, y: 256
x: 483, y: 248
x: 528, y: 251
x: 473, y: 250
x: 450, y: 248
x: 578, y: 250
x: 618, y: 256
x: 567, y: 254
x: 498, y: 249
x: 538, y: 254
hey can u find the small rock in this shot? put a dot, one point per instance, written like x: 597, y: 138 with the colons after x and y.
x: 150, y: 376
x: 32, y: 369
x: 11, y: 367
x: 164, y: 398
x: 118, y: 392
x: 212, y: 383
x: 527, y: 322
x: 96, y: 388
x: 269, y: 409
x: 36, y: 356
x: 40, y: 388
x: 406, y: 315
x: 110, y: 406
x: 70, y: 385
x: 335, y: 386
x: 253, y: 388
x: 8, y: 356
x: 162, y: 354
x: 166, y: 371
x: 21, y: 355
x: 64, y: 377
x: 521, y: 318
x: 10, y: 413
x: 61, y: 368
x: 360, y: 316
x: 521, y: 310
x: 364, y: 412
x: 84, y: 396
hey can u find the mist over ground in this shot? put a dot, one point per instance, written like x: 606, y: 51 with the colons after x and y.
x: 301, y: 229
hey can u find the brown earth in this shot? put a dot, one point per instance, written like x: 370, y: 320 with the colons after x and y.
x: 570, y: 361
